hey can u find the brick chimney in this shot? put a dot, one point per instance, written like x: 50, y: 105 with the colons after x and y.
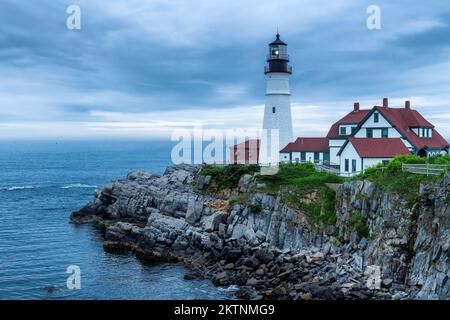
x: 356, y: 107
x: 385, y: 102
x: 407, y: 104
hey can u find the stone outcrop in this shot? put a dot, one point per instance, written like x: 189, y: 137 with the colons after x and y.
x: 268, y: 249
x: 408, y: 241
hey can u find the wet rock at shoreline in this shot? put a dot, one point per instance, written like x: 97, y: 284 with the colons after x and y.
x: 272, y: 253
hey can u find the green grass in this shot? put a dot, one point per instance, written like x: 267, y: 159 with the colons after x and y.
x: 393, y: 179
x: 357, y: 224
x: 303, y: 175
x: 227, y: 177
x: 255, y: 208
x: 323, y: 213
x: 242, y: 198
x: 299, y: 179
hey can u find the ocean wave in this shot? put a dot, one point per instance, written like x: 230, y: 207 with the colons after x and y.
x: 14, y: 188
x: 231, y: 288
x: 78, y: 185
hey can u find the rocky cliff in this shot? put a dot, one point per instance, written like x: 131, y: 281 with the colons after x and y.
x: 379, y: 249
x: 408, y: 241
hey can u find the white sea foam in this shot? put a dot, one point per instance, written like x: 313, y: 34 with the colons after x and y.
x: 229, y: 289
x: 78, y: 185
x: 14, y: 188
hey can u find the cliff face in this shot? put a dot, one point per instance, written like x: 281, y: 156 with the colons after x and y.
x: 409, y: 242
x: 430, y: 266
x: 169, y: 204
x: 379, y: 247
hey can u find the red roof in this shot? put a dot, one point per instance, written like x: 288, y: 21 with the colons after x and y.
x: 353, y: 117
x: 378, y: 147
x: 404, y: 119
x: 307, y: 145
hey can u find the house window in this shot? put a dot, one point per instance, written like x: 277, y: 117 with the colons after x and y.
x: 384, y: 132
x: 346, y: 165
x: 303, y: 156
x: 354, y: 129
x: 385, y: 162
x: 376, y: 117
x: 343, y: 131
x: 316, y: 157
x: 369, y: 133
x: 274, y: 109
x: 353, y: 165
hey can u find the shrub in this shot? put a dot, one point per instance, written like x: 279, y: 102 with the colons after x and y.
x: 255, y: 208
x: 357, y: 224
x: 240, y: 199
x: 393, y: 179
x: 323, y: 213
x: 226, y: 177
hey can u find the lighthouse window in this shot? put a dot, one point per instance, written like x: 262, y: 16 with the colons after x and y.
x: 274, y: 109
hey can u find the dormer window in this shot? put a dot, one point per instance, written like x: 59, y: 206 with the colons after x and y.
x: 423, y: 132
x: 343, y: 131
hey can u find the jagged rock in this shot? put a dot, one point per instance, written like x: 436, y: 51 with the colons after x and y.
x: 211, y: 223
x: 245, y: 183
x: 194, y: 211
x: 238, y: 232
x: 246, y: 292
x: 387, y: 283
x: 274, y: 252
x: 203, y: 182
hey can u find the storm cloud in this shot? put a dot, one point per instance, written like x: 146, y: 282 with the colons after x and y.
x: 142, y: 68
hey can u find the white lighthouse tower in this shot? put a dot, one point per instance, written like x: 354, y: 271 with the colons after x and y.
x: 277, y: 112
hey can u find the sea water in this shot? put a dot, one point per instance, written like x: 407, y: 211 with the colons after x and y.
x: 41, y: 183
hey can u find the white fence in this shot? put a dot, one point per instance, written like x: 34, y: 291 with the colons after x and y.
x: 428, y: 169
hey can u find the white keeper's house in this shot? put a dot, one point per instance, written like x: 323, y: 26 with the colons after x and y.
x: 366, y: 137
x: 361, y: 139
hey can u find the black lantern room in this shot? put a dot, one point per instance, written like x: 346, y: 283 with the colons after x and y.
x: 278, y: 59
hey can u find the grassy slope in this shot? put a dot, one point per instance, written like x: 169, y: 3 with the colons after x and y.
x: 393, y: 179
x: 294, y: 181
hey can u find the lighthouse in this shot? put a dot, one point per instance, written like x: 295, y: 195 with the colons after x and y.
x: 277, y: 111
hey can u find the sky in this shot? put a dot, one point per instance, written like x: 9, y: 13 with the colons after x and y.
x: 143, y: 68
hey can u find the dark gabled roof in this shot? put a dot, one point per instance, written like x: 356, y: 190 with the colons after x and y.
x: 307, y: 145
x: 377, y: 147
x: 403, y: 119
x: 353, y: 117
x: 277, y: 41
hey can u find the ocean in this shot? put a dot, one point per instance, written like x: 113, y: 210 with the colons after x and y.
x: 41, y: 183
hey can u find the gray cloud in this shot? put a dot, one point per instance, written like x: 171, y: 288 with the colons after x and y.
x: 158, y: 57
